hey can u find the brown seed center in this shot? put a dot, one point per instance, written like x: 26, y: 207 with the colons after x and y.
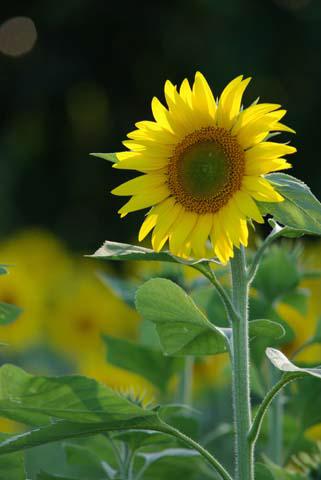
x: 206, y: 168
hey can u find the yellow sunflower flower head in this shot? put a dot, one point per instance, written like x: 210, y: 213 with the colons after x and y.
x: 203, y: 165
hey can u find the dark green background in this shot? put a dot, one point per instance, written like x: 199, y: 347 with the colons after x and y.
x: 92, y: 74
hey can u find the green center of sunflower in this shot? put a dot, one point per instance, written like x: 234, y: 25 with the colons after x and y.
x: 206, y: 168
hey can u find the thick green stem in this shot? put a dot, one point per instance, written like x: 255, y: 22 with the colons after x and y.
x: 218, y: 467
x: 186, y: 382
x: 241, y: 377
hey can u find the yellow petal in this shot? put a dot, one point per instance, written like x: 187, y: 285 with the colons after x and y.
x: 269, y: 150
x: 186, y: 92
x: 142, y: 163
x: 247, y: 206
x: 222, y: 245
x: 203, y: 98
x: 163, y: 226
x: 181, y: 113
x: 140, y: 184
x: 255, y: 131
x: 265, y: 165
x: 145, y: 200
x: 181, y: 230
x: 253, y: 113
x: 161, y: 115
x: 230, y: 102
x: 200, y: 233
x: 260, y: 189
x: 153, y: 215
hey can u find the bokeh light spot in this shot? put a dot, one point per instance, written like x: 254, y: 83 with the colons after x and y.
x: 18, y: 35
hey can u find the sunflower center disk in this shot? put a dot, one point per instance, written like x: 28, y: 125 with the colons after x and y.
x: 205, y: 170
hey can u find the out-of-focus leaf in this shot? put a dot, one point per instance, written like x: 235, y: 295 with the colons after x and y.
x: 142, y: 360
x: 209, y: 301
x: 11, y: 465
x: 111, y: 157
x: 277, y: 275
x: 297, y: 299
x: 281, y: 362
x: 182, y: 462
x: 183, y: 329
x: 275, y: 472
x: 87, y: 461
x: 300, y: 210
x: 50, y: 476
x: 137, y: 439
x: 124, y: 251
x: 8, y: 313
x: 265, y: 328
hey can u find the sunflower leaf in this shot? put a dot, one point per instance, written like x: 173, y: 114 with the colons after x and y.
x: 281, y: 362
x: 300, y: 212
x: 123, y: 251
x: 183, y: 329
x: 111, y: 157
x: 36, y: 400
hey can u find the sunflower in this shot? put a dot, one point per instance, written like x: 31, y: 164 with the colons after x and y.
x: 203, y: 163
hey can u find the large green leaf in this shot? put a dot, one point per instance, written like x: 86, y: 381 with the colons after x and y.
x: 142, y: 360
x: 64, y: 430
x: 11, y: 465
x: 183, y: 329
x: 300, y: 210
x: 281, y: 362
x: 8, y: 313
x: 36, y: 400
x: 124, y: 251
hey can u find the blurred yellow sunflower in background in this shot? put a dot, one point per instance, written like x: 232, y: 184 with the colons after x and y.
x: 84, y: 311
x: 37, y: 261
x: 203, y: 165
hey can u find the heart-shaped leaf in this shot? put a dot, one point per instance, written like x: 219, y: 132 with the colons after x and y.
x: 183, y: 329
x: 142, y: 360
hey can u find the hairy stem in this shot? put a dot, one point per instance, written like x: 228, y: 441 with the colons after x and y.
x: 241, y: 379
